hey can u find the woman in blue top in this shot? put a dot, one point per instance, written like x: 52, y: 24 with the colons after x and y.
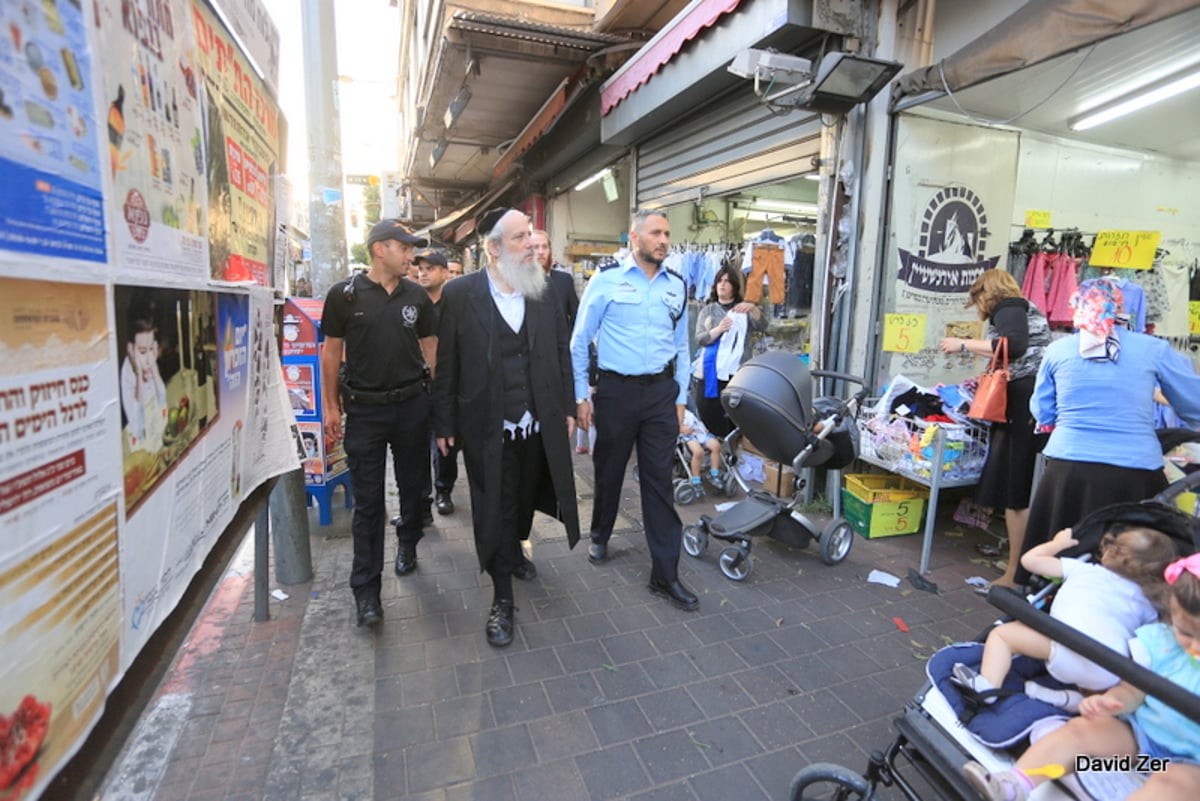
x: 1095, y: 392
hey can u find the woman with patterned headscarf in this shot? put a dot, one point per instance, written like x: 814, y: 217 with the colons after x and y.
x: 1095, y: 394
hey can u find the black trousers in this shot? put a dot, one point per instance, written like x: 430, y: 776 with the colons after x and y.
x: 629, y: 413
x: 445, y: 468
x: 523, y: 469
x: 370, y: 431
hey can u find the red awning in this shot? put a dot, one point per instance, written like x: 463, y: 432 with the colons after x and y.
x: 660, y: 50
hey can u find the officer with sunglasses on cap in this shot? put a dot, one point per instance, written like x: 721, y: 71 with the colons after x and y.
x: 384, y: 326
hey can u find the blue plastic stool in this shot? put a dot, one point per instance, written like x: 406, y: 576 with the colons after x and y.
x: 323, y: 495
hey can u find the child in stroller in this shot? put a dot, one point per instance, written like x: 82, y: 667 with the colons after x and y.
x: 1109, y: 600
x: 938, y: 734
x: 1125, y: 721
x: 694, y: 442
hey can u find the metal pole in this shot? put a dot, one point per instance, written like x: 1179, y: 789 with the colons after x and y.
x: 326, y: 210
x: 289, y: 530
x: 262, y: 556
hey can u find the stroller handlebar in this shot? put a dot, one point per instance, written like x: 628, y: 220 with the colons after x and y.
x: 1145, y: 680
x: 1186, y: 484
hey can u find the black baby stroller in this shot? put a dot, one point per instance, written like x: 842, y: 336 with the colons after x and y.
x: 934, y: 739
x: 770, y: 400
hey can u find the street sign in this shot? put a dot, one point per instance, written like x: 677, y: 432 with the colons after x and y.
x: 362, y: 180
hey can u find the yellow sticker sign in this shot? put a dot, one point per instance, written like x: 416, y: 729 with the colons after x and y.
x: 1130, y: 250
x: 1037, y: 218
x: 1194, y: 318
x: 904, y: 333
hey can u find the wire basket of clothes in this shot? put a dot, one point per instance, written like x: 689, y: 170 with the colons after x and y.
x: 910, y: 446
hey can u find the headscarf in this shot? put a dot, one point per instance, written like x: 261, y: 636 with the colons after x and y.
x: 1096, y: 305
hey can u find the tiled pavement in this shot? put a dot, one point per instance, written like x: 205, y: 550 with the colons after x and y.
x: 606, y: 693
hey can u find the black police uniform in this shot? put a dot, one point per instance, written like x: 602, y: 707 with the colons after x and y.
x: 385, y: 395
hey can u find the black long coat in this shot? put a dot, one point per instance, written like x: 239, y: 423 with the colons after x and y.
x: 468, y: 402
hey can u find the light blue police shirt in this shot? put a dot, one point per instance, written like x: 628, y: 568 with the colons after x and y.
x: 639, y: 325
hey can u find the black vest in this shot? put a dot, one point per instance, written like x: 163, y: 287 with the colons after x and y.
x: 514, y: 351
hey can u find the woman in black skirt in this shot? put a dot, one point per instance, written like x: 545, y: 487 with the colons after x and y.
x: 1013, y: 448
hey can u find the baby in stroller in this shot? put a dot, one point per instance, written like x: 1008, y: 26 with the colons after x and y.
x: 1109, y: 600
x: 1125, y: 721
x: 695, y: 439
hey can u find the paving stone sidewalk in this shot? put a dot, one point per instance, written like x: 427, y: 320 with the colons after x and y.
x: 606, y: 693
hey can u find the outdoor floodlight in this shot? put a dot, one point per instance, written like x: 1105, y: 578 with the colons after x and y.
x: 840, y: 82
x: 844, y: 80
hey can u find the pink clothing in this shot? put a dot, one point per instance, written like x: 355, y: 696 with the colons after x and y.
x: 1050, y: 281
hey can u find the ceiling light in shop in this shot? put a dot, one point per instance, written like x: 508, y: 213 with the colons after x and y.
x: 1146, y: 96
x: 813, y: 176
x: 586, y: 182
x: 780, y: 206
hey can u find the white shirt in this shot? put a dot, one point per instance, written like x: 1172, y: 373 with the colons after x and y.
x: 511, y: 305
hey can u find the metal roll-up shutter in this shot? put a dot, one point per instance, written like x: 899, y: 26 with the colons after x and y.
x: 732, y: 144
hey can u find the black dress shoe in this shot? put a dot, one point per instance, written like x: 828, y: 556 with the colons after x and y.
x: 445, y: 505
x: 499, y: 627
x: 406, y: 558
x: 370, y: 611
x: 597, y: 552
x: 674, y: 591
x: 526, y: 571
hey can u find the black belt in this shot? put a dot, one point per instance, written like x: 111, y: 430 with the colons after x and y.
x: 648, y: 378
x: 386, y: 397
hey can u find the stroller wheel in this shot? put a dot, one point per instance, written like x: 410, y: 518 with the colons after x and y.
x: 825, y: 781
x: 836, y: 540
x: 735, y: 562
x: 731, y: 485
x: 685, y: 493
x: 636, y: 476
x: 695, y: 539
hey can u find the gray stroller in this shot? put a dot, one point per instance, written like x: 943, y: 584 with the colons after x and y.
x: 770, y: 400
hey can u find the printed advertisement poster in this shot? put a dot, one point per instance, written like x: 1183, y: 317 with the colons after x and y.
x: 59, y: 572
x: 221, y: 426
x: 273, y: 443
x: 154, y: 131
x: 181, y: 482
x: 300, y: 380
x: 50, y: 197
x: 242, y: 146
x: 168, y: 350
x: 949, y: 219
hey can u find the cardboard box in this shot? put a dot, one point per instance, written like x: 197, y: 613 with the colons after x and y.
x: 779, y: 480
x: 884, y: 519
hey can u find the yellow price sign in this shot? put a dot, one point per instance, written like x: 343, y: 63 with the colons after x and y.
x: 904, y: 333
x: 1037, y: 218
x: 1194, y: 317
x: 1130, y: 250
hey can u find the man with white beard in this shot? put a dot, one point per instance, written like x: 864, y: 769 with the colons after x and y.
x: 503, y: 393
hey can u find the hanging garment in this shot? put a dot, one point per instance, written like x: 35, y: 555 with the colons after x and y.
x: 1157, y: 302
x: 1175, y: 322
x: 766, y: 259
x: 1049, y: 283
x: 732, y: 347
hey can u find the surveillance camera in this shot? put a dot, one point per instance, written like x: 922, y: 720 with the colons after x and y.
x: 772, y: 66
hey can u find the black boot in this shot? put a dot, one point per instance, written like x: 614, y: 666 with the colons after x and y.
x: 499, y: 628
x: 406, y: 558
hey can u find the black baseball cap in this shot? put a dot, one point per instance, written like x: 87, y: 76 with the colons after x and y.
x: 433, y: 257
x: 394, y: 229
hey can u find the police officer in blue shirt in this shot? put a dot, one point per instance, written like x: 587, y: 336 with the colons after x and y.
x: 637, y: 314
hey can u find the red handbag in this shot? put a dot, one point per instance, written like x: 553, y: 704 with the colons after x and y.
x: 991, y: 398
